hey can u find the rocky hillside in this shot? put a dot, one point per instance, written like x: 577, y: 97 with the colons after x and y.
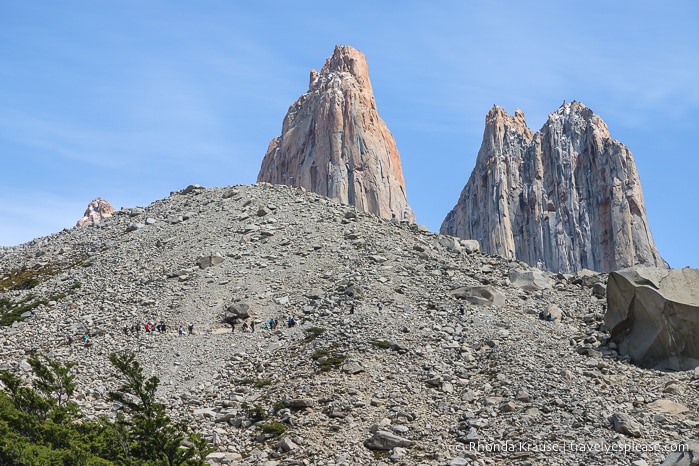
x: 334, y: 143
x: 415, y: 380
x: 565, y: 198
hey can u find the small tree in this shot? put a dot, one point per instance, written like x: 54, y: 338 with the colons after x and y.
x: 37, y: 427
x: 54, y: 378
x: 148, y: 435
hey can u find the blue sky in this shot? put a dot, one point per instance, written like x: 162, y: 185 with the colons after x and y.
x: 130, y: 100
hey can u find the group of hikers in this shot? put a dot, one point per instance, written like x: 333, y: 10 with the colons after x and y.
x: 271, y: 324
x: 161, y: 327
x: 85, y: 338
x: 149, y: 327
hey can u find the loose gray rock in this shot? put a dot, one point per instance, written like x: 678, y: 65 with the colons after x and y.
x: 529, y: 280
x: 625, y: 424
x: 209, y: 261
x: 384, y: 440
x: 480, y: 295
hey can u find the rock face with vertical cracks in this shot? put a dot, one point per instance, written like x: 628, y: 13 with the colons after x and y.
x: 334, y: 143
x: 653, y: 316
x: 565, y: 198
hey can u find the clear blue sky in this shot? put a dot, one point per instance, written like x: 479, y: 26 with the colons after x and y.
x: 129, y: 100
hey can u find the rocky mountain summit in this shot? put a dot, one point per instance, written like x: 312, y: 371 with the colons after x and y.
x: 334, y: 143
x: 97, y: 210
x: 565, y: 198
x: 411, y: 348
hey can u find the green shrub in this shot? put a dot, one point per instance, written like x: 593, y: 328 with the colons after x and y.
x: 328, y: 358
x: 262, y: 382
x: 275, y: 428
x: 254, y: 412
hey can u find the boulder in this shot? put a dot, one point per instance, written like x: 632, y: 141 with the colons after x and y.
x: 554, y: 312
x: 529, y: 280
x: 587, y: 278
x: 352, y: 367
x: 239, y: 310
x: 685, y: 454
x: 285, y: 444
x: 653, y: 316
x: 449, y: 242
x: 208, y: 261
x: 470, y: 245
x: 384, y: 440
x: 299, y: 403
x: 625, y: 424
x: 192, y: 188
x: 667, y: 407
x: 480, y: 295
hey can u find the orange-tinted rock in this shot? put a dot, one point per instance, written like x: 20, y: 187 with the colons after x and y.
x: 334, y: 143
x: 96, y: 210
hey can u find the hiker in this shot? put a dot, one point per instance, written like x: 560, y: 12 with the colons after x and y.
x: 352, y: 309
x: 191, y: 328
x: 86, y: 337
x: 233, y: 327
x: 162, y: 326
x: 181, y: 331
x: 271, y: 324
x: 252, y: 327
x: 379, y: 305
x: 462, y: 309
x: 276, y: 322
x: 245, y: 326
x: 266, y: 325
x: 70, y: 340
x: 290, y: 322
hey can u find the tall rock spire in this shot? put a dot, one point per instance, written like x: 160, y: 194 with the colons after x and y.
x: 334, y: 143
x: 565, y: 198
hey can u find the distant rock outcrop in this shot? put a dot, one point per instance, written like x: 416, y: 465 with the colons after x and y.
x: 653, y: 316
x: 565, y: 198
x: 334, y: 143
x: 97, y: 210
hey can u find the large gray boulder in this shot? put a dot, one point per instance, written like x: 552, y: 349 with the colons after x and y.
x: 239, y: 310
x: 653, y: 316
x: 530, y: 280
x: 480, y: 295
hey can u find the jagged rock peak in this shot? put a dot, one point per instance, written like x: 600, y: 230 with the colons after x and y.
x: 96, y: 210
x: 497, y: 116
x: 334, y: 143
x: 345, y: 59
x: 565, y: 198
